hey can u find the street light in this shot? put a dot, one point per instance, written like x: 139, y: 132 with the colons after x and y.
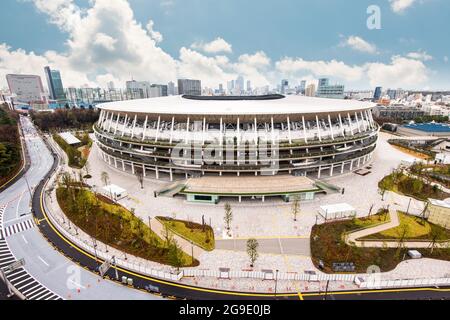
x: 276, y: 282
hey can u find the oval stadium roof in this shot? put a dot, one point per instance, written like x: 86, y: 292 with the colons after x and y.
x: 179, y: 105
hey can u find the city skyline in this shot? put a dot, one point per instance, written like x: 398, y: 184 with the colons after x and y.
x: 401, y: 54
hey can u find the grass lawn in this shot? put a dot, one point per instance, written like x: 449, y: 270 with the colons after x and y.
x: 117, y: 227
x: 372, y: 220
x: 328, y: 245
x: 413, y: 228
x: 191, y: 231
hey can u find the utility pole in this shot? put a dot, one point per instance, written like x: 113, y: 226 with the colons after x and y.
x: 115, y: 267
x: 326, y: 289
x: 150, y: 223
x: 407, y: 210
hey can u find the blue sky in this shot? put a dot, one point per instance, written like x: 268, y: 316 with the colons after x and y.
x: 300, y: 39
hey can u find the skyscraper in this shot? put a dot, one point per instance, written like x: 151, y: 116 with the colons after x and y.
x: 171, y: 89
x: 189, y: 87
x: 311, y: 90
x: 239, y: 84
x: 377, y: 94
x: 55, y: 86
x: 284, y: 86
x: 302, y: 87
x: 249, y: 86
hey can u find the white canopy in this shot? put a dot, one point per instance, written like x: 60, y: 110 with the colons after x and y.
x: 69, y: 138
x: 337, y: 211
x: 116, y: 191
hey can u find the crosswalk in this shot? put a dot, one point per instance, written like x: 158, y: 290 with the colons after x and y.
x: 17, y: 228
x: 20, y: 278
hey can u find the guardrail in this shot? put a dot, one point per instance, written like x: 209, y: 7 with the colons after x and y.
x: 405, y: 283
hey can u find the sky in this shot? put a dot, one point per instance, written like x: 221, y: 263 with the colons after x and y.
x: 359, y: 43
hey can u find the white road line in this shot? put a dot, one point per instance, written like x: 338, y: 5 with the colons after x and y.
x: 18, y: 204
x: 24, y: 239
x: 77, y: 284
x: 43, y: 261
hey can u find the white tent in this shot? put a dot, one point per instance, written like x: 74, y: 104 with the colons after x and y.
x: 337, y: 211
x: 114, y: 192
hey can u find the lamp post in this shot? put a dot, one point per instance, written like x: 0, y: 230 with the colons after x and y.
x: 150, y: 223
x: 276, y: 282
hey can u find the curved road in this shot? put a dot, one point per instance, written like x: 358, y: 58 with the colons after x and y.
x: 43, y: 264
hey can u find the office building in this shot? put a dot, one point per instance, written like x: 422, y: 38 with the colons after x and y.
x: 26, y: 88
x: 189, y: 87
x: 55, y: 86
x: 325, y: 90
x: 310, y: 90
x: 284, y: 86
x: 377, y: 94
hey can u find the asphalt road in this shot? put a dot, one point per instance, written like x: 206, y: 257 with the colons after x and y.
x: 45, y: 264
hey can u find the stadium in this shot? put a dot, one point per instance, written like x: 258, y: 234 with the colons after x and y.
x: 182, y: 137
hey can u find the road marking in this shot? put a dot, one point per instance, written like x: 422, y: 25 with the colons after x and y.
x: 77, y: 284
x: 300, y: 296
x: 43, y: 261
x: 24, y: 239
x: 18, y: 204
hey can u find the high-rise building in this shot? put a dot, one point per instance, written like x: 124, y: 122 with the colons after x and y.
x: 161, y: 90
x: 111, y: 86
x: 249, y: 86
x: 55, y: 86
x: 171, y: 89
x: 377, y: 94
x: 26, y: 88
x: 310, y: 90
x: 284, y: 86
x: 239, y: 84
x: 221, y: 89
x: 325, y: 90
x: 189, y: 87
x: 302, y: 87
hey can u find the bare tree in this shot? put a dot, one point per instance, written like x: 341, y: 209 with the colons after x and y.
x: 252, y: 251
x: 140, y: 177
x: 296, y: 207
x: 228, y: 216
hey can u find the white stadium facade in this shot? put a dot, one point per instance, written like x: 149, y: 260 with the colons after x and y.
x: 236, y: 136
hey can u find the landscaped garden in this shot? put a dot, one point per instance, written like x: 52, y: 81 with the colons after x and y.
x: 328, y: 246
x: 413, y: 228
x: 117, y: 227
x: 417, y: 188
x: 77, y: 155
x: 10, y: 154
x: 200, y: 235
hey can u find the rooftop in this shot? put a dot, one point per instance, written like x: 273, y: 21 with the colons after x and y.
x: 429, y: 127
x: 263, y: 185
x: 69, y: 138
x: 262, y: 105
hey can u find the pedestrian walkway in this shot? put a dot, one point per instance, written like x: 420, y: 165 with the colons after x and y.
x: 17, y: 228
x: 290, y: 246
x: 355, y: 237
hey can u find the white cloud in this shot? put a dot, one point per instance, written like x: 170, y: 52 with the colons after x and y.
x: 399, y: 6
x: 331, y: 68
x: 155, y: 35
x: 420, y: 55
x: 402, y: 72
x: 359, y: 44
x: 216, y: 46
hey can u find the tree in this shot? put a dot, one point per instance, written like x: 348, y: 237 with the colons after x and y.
x: 252, y: 250
x: 105, y: 178
x: 140, y: 177
x: 175, y: 255
x: 296, y: 207
x: 228, y: 216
